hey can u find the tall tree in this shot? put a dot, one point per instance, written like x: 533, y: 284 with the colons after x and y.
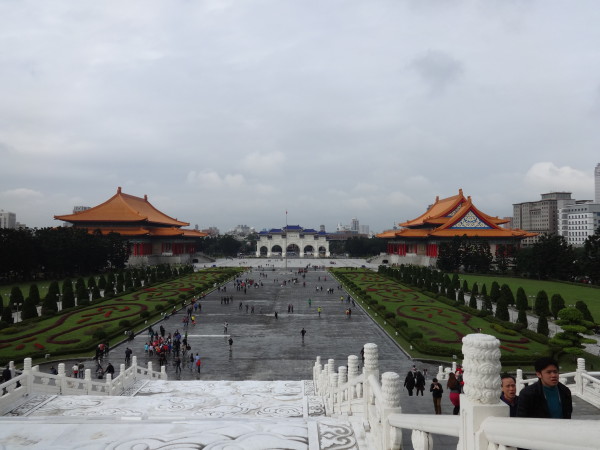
x: 29, y: 309
x: 502, y: 310
x: 34, y: 294
x: 50, y: 304
x: 475, y: 290
x: 495, y: 292
x: 465, y: 286
x: 542, y: 326
x: 582, y: 306
x: 556, y: 304
x: 522, y: 303
x: 541, y: 307
x: 473, y: 302
x: 16, y: 298
x: 507, y: 293
x: 550, y: 257
x: 68, y: 298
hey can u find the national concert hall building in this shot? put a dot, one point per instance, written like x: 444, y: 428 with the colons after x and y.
x: 153, y: 236
x: 417, y: 241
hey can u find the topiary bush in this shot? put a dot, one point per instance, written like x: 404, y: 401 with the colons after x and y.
x: 125, y: 323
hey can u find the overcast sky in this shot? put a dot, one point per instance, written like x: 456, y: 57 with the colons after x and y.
x: 232, y: 112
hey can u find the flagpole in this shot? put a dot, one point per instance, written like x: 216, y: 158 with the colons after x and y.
x: 286, y: 232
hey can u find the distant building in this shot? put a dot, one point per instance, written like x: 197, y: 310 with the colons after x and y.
x: 241, y: 230
x: 211, y: 231
x: 419, y: 240
x: 292, y: 241
x: 579, y: 221
x: 597, y: 184
x: 8, y: 219
x: 363, y: 229
x: 354, y: 225
x: 540, y: 217
x: 153, y: 236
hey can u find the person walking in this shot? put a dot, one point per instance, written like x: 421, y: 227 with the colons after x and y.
x: 454, y: 386
x: 419, y: 383
x: 436, y: 390
x: 128, y: 353
x: 225, y: 325
x: 319, y: 311
x: 409, y: 382
x: 303, y: 333
x: 178, y: 365
x: 230, y: 343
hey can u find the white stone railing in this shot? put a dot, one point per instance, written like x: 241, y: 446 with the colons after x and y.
x: 32, y: 381
x: 483, y: 423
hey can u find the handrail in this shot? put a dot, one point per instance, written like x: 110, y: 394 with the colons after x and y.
x: 429, y: 423
x: 536, y: 434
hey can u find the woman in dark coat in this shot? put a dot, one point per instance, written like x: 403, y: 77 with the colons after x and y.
x: 409, y: 382
x: 420, y: 383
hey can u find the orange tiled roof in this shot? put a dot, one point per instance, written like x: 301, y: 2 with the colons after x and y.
x: 123, y: 208
x: 438, y: 211
x: 124, y: 231
x: 465, y: 219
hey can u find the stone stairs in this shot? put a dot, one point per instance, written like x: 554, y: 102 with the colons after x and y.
x: 183, y: 414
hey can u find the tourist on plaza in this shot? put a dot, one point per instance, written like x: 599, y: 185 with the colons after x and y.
x: 454, y: 387
x: 548, y: 398
x: 230, y: 343
x: 6, y: 374
x: 75, y: 370
x: 110, y: 369
x: 319, y: 311
x: 225, y: 325
x: 409, y: 383
x: 303, y: 333
x: 53, y: 370
x: 81, y: 370
x: 509, y: 393
x: 436, y: 390
x: 197, y: 362
x: 178, y: 365
x: 420, y: 383
x: 128, y: 353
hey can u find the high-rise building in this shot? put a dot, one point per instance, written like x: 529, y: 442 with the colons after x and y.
x: 579, y: 221
x: 597, y: 183
x: 541, y: 216
x: 354, y: 226
x: 8, y: 219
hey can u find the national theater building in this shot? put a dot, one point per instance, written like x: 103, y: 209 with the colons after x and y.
x: 153, y: 236
x: 418, y: 240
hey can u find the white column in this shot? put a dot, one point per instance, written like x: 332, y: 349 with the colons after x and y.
x: 390, y: 388
x: 482, y: 389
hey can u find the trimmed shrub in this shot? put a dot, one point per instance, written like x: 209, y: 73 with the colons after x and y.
x: 125, y: 323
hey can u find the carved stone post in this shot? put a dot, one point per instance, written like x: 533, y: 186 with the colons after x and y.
x: 519, y: 381
x: 333, y: 382
x: 163, y: 372
x: 88, y: 381
x: 342, y: 380
x: 482, y: 389
x: 29, y: 375
x: 11, y: 367
x: 390, y: 389
x: 150, y: 367
x: 440, y: 373
x: 62, y: 377
x: 579, y: 382
x: 317, y: 372
x: 109, y: 383
x: 371, y: 367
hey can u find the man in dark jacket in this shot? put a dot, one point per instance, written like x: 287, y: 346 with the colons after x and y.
x: 509, y: 394
x: 548, y: 398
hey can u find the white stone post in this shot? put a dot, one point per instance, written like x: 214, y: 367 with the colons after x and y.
x: 440, y: 373
x: 317, y: 373
x: 390, y: 389
x: 579, y: 383
x: 371, y: 367
x: 29, y: 376
x: 519, y: 381
x: 109, y: 383
x: 333, y: 382
x: 11, y: 367
x: 454, y: 366
x: 163, y: 372
x: 342, y: 380
x: 150, y: 368
x: 62, y: 377
x: 482, y: 389
x: 88, y: 381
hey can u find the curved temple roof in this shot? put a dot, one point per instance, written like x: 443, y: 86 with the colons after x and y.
x: 454, y: 216
x: 123, y: 208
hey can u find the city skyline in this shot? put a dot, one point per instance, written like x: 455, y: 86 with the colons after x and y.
x: 224, y: 111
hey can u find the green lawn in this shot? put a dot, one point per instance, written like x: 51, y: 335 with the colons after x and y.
x: 439, y: 323
x: 73, y: 329
x: 570, y: 292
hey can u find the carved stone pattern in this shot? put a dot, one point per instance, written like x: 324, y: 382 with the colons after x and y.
x: 309, y: 387
x: 316, y: 406
x: 421, y: 440
x: 371, y: 357
x: 482, y: 368
x: 336, y: 436
x: 33, y: 402
x: 390, y: 387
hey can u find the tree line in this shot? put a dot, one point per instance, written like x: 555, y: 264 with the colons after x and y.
x: 551, y: 257
x: 30, y: 253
